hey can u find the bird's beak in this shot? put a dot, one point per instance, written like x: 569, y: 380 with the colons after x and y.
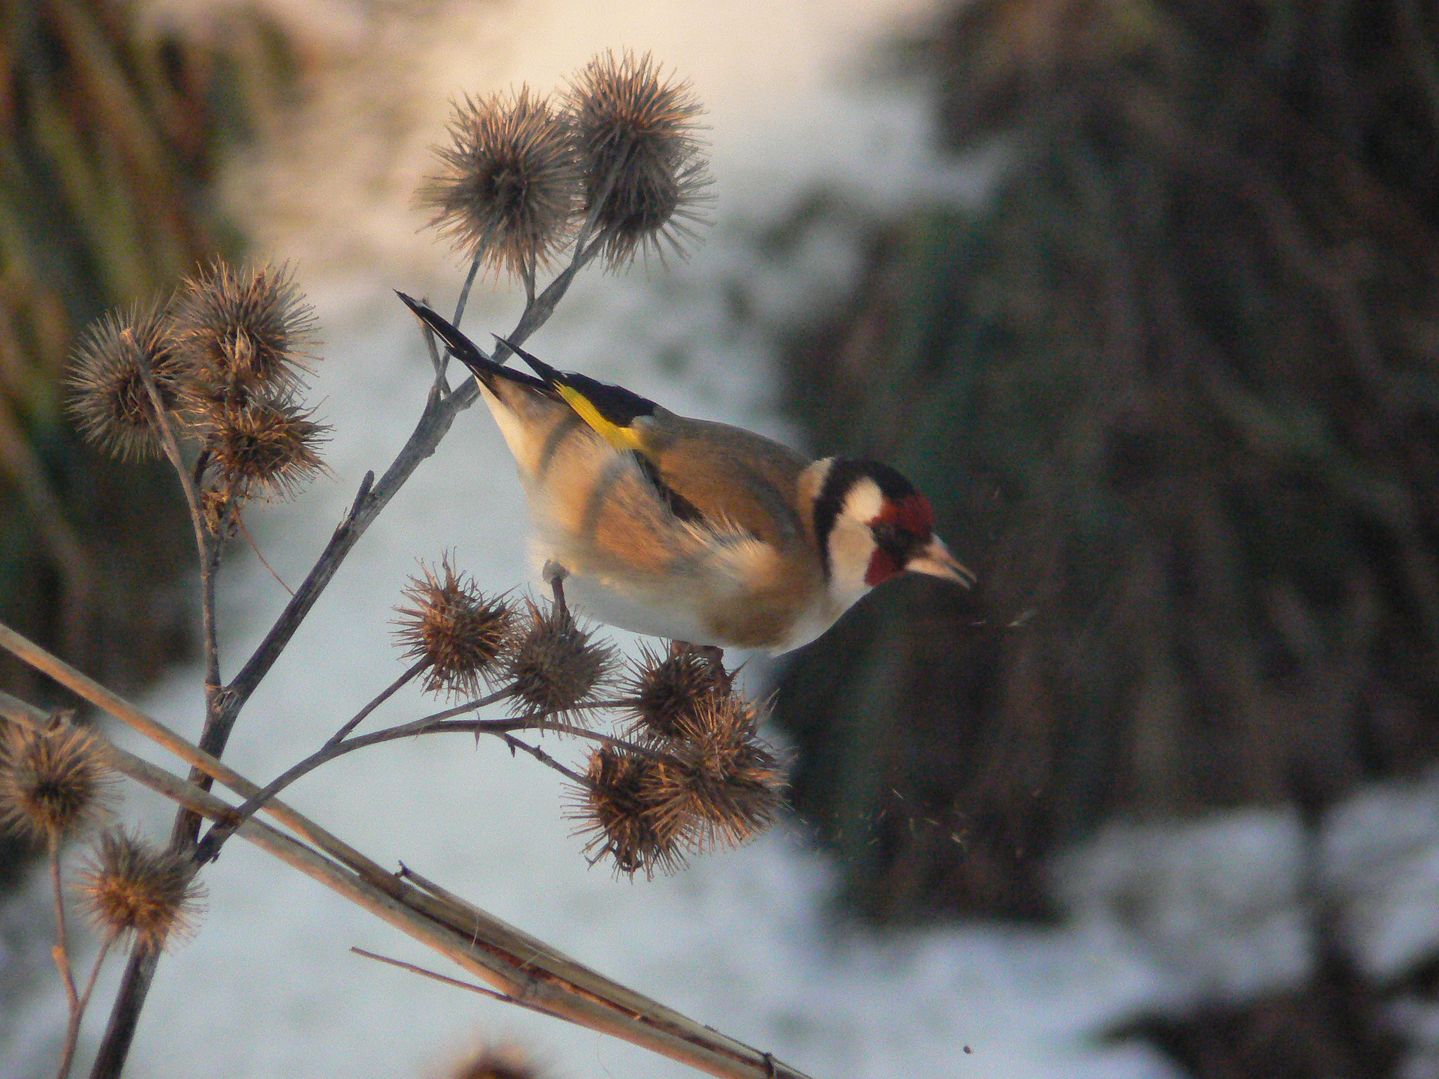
x: 936, y: 561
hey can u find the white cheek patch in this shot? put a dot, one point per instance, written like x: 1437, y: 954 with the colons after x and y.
x: 863, y: 503
x: 850, y: 549
x: 851, y: 544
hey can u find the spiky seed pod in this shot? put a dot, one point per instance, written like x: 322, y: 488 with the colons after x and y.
x: 666, y: 687
x: 130, y: 886
x: 108, y: 398
x: 498, y: 1062
x: 54, y: 781
x: 509, y: 188
x: 265, y: 447
x: 636, y: 139
x: 617, y: 811
x: 244, y: 332
x: 553, y: 664
x: 725, y: 776
x: 454, y: 627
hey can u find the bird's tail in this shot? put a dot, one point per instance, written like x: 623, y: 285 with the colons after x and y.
x: 463, y: 349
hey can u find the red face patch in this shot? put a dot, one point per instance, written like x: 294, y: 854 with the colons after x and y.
x: 882, y: 566
x: 911, y: 514
x: 903, y: 525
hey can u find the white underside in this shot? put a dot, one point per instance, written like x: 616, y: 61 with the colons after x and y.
x: 593, y: 597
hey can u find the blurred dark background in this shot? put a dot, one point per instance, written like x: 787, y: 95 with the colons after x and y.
x: 1173, y: 391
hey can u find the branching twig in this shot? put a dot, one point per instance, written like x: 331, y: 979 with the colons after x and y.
x: 435, y: 421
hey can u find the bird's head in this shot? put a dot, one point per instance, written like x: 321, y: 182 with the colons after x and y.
x: 871, y: 524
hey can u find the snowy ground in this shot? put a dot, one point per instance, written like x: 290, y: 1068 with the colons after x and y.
x: 744, y: 940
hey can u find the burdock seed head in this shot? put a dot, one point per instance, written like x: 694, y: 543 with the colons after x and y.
x: 619, y: 809
x: 509, y: 187
x: 108, y: 397
x: 725, y: 778
x: 636, y: 139
x: 666, y: 687
x: 454, y: 628
x: 53, y: 780
x: 243, y: 332
x: 553, y: 664
x: 130, y: 886
x: 262, y: 447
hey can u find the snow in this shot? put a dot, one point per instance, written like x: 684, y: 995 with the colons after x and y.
x: 1217, y: 904
x: 1382, y: 857
x: 747, y: 941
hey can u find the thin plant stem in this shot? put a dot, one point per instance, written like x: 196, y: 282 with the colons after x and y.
x: 526, y: 723
x: 384, y: 695
x: 116, y: 706
x: 457, y: 983
x: 62, y: 946
x: 77, y: 1010
x: 538, y: 313
x: 189, y: 485
x: 438, y: 360
x: 435, y: 421
x: 465, y: 288
x: 545, y: 759
x: 249, y: 539
x: 602, y: 194
x: 469, y: 706
x: 94, y: 974
x: 527, y: 275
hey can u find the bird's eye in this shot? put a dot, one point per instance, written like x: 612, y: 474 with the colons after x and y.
x: 886, y: 534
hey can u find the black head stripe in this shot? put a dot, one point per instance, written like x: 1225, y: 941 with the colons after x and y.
x: 843, y: 474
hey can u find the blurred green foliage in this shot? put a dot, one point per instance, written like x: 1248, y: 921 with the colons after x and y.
x: 111, y: 131
x: 1174, y: 393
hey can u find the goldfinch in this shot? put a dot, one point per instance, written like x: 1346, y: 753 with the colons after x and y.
x: 698, y: 531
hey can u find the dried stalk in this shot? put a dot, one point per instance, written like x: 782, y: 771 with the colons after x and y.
x: 516, y: 964
x: 113, y: 704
